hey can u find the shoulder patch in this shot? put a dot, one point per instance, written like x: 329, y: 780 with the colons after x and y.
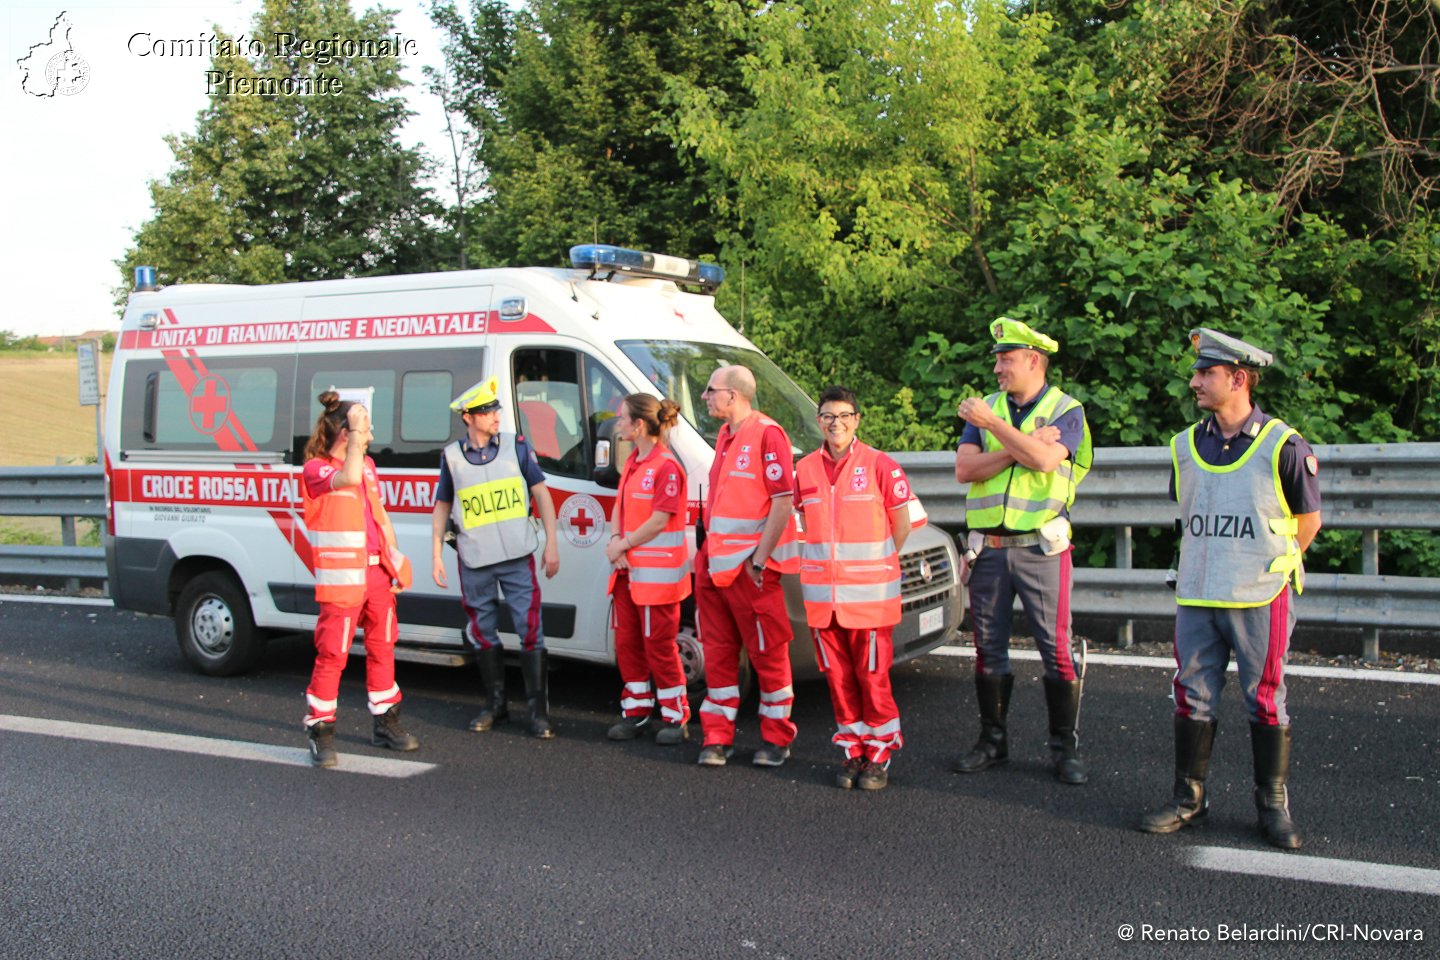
x: 1312, y: 465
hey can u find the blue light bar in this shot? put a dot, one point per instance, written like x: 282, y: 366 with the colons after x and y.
x: 144, y: 278
x: 603, y: 257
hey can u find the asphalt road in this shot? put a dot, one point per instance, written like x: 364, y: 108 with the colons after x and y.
x: 578, y: 847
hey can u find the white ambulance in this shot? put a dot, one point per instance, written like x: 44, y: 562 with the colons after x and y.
x: 213, y: 396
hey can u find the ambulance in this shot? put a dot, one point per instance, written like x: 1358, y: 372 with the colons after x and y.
x: 213, y: 395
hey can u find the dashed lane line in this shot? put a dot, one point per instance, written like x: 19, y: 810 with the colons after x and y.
x: 1291, y: 670
x: 1291, y: 866
x: 208, y: 747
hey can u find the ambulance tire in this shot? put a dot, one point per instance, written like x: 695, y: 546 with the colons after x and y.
x: 215, y: 627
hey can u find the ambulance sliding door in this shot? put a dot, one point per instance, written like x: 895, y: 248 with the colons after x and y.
x: 416, y: 350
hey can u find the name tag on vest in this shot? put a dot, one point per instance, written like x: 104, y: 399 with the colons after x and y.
x: 485, y: 503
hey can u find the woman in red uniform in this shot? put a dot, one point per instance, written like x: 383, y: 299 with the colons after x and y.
x: 652, y: 572
x: 358, y: 571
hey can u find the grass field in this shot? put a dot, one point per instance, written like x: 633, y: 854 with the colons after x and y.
x: 42, y: 424
x: 41, y: 420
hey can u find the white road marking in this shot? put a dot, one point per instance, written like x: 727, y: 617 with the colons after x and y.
x: 208, y: 747
x: 1290, y: 866
x: 1291, y: 669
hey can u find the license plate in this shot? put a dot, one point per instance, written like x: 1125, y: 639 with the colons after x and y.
x: 932, y: 620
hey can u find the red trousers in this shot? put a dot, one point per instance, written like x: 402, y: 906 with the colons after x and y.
x: 644, y: 648
x: 856, y: 664
x: 333, y: 633
x: 743, y: 615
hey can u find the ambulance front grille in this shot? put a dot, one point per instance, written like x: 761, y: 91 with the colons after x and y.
x: 915, y: 592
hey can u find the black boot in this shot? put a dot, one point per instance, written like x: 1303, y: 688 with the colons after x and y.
x: 992, y: 693
x: 537, y: 693
x: 389, y: 733
x: 1271, y: 748
x: 1062, y: 700
x: 492, y: 681
x: 1193, y: 740
x: 322, y: 744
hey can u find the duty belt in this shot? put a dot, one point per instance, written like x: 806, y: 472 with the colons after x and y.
x: 1018, y: 540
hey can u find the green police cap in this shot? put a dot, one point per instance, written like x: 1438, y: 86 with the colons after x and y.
x: 1212, y: 349
x: 481, y: 398
x: 1014, y: 335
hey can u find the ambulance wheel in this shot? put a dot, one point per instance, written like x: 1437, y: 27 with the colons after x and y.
x: 215, y: 628
x: 692, y: 660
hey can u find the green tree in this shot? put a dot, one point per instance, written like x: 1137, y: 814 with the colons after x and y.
x: 570, y: 103
x: 295, y: 187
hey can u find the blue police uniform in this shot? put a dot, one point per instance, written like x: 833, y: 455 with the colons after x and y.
x: 1239, y: 497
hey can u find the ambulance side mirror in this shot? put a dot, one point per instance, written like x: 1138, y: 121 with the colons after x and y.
x: 610, y: 454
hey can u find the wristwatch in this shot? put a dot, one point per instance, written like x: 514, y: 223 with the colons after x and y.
x: 756, y: 566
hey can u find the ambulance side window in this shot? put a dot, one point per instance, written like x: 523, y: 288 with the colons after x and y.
x: 172, y: 405
x: 410, y: 414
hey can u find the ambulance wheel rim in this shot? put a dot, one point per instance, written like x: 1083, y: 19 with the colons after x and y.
x: 212, y: 625
x: 692, y: 656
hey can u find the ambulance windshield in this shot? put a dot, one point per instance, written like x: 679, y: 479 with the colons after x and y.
x: 680, y: 370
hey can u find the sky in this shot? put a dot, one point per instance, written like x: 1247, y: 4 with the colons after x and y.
x: 76, y: 161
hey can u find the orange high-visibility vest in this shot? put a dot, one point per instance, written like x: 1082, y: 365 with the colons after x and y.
x: 741, y: 505
x: 660, y: 567
x: 336, y: 521
x: 849, y: 567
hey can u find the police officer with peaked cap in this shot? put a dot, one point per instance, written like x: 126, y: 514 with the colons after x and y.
x: 1247, y: 485
x: 1023, y: 451
x: 488, y: 481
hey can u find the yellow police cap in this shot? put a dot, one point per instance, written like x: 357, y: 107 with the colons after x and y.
x: 1213, y: 348
x: 481, y: 398
x: 1014, y: 335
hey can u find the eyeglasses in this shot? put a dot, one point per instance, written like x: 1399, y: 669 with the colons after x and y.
x: 714, y: 390
x: 849, y: 416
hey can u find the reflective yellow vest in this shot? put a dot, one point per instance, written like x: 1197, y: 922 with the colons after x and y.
x: 1018, y: 498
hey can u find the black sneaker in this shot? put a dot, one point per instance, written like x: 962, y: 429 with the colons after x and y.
x: 850, y: 772
x: 771, y: 755
x: 715, y: 754
x: 389, y: 733
x: 629, y: 728
x: 671, y: 734
x: 322, y: 745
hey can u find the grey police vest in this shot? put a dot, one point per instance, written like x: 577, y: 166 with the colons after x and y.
x: 1238, y: 547
x: 491, y: 510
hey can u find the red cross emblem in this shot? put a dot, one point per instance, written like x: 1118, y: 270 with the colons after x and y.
x: 581, y: 521
x: 209, y: 404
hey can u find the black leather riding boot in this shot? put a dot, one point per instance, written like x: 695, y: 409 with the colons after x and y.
x: 992, y: 694
x: 1062, y: 700
x: 537, y: 693
x: 1193, y: 740
x: 1271, y: 748
x: 492, y: 681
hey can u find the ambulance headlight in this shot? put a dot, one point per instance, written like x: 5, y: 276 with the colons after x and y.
x: 605, y: 258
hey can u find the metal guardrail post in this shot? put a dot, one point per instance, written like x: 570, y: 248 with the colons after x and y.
x: 1370, y: 567
x: 67, y: 538
x: 1124, y: 560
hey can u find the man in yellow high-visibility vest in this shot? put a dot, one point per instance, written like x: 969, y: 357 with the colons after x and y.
x: 1023, y: 451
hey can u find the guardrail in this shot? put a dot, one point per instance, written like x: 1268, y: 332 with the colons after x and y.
x: 1365, y: 487
x: 65, y: 492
